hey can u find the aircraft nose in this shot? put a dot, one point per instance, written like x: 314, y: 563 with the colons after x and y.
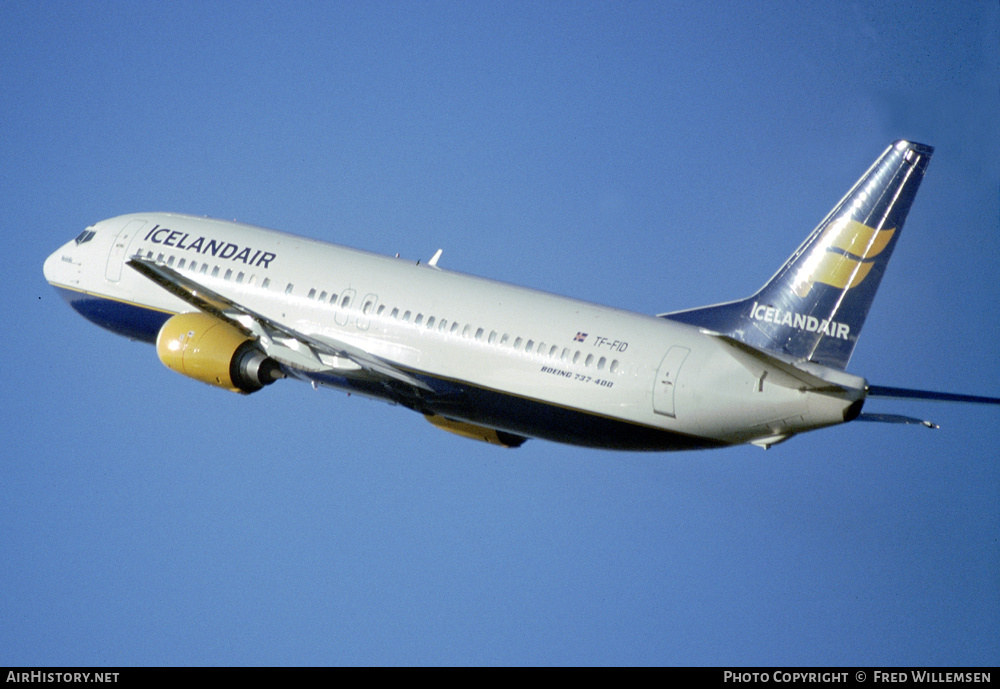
x: 49, y: 268
x: 62, y: 267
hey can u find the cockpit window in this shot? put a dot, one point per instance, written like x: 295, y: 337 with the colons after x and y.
x: 85, y: 236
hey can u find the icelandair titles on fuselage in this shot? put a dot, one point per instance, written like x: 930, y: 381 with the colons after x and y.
x: 207, y: 245
x: 799, y: 321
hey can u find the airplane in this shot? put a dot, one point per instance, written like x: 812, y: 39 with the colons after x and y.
x: 240, y: 307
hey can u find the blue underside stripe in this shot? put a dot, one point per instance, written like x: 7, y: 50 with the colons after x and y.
x: 123, y: 318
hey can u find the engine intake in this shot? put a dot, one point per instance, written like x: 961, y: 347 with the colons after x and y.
x: 205, y: 348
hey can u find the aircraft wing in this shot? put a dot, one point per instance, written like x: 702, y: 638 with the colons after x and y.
x: 284, y: 344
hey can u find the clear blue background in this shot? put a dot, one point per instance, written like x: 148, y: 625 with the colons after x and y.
x: 651, y: 156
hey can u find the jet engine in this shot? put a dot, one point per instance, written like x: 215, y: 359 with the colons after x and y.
x: 213, y: 351
x: 474, y: 432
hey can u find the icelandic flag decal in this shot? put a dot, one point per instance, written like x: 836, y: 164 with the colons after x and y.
x: 580, y: 337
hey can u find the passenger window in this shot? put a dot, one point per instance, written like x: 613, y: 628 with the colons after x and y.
x: 266, y: 283
x: 288, y: 289
x: 215, y: 272
x: 601, y: 362
x: 466, y: 330
x: 517, y: 343
x: 493, y: 337
x: 322, y: 295
x: 406, y: 317
x: 576, y: 356
x: 430, y: 321
x: 454, y: 327
x: 614, y: 366
x: 504, y: 339
x: 419, y: 319
x: 589, y: 361
x: 565, y: 355
x: 180, y: 264
x: 333, y: 298
x: 367, y: 309
x: 170, y: 260
x: 204, y: 268
x: 395, y: 313
x: 239, y: 278
x: 443, y: 325
x: 346, y: 301
x: 529, y: 346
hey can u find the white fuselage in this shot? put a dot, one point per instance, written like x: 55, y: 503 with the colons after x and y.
x: 507, y: 357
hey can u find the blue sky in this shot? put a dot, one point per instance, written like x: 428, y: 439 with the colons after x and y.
x: 651, y: 156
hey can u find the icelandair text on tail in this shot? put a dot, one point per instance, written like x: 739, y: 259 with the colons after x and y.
x: 799, y: 321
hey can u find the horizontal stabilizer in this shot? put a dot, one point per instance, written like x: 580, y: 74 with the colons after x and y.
x: 908, y: 394
x: 896, y: 418
x: 777, y: 372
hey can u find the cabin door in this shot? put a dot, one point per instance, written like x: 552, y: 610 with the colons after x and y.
x: 116, y: 259
x: 666, y: 381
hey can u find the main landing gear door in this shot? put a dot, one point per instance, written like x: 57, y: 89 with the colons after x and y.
x: 666, y: 381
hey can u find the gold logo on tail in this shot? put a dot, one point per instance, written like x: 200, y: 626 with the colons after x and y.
x: 860, y: 245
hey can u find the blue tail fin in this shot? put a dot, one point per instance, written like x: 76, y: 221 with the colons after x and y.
x: 814, y: 306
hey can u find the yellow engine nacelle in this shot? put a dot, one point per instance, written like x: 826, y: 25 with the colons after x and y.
x: 474, y: 432
x: 213, y: 351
